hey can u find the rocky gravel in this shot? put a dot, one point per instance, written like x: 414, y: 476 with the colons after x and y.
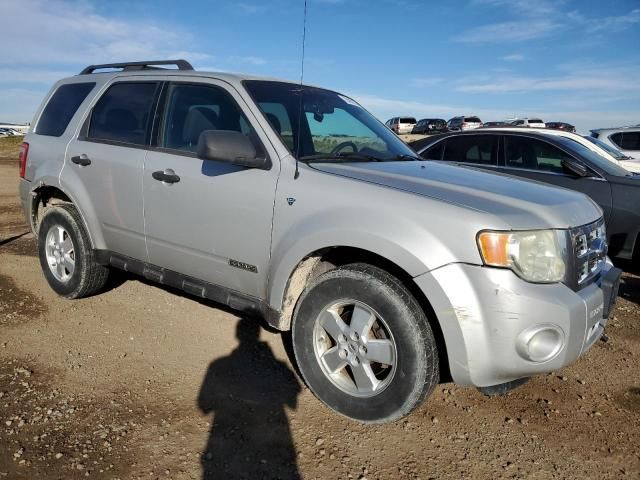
x: 142, y: 382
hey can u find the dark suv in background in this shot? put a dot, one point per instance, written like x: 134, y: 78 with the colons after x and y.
x: 430, y: 125
x: 558, y: 160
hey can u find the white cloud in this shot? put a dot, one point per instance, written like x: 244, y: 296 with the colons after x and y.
x: 45, y: 32
x: 251, y: 60
x: 514, y: 57
x: 514, y: 31
x: 608, y: 24
x: 603, y: 78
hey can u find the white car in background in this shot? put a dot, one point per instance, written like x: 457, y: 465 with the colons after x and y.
x: 625, y: 161
x: 401, y: 125
x: 625, y: 139
x: 528, y: 122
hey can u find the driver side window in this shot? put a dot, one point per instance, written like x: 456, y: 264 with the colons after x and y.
x: 328, y: 130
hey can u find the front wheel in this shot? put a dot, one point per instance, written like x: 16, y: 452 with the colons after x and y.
x: 364, y: 345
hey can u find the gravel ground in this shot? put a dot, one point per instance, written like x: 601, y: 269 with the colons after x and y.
x: 143, y: 382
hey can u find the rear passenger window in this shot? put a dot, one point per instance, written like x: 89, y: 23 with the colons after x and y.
x: 627, y: 140
x: 479, y: 149
x: 192, y: 109
x: 61, y: 108
x: 531, y: 154
x: 123, y: 113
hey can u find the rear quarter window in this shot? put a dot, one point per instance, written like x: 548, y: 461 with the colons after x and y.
x: 61, y: 108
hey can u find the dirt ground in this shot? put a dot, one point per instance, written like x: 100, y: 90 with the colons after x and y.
x: 143, y: 382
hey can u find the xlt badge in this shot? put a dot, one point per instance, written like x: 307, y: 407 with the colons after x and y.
x: 243, y: 266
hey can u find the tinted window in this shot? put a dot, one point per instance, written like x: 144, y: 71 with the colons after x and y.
x: 123, y: 113
x: 407, y: 120
x: 472, y: 119
x: 62, y: 107
x: 435, y: 152
x: 479, y: 149
x: 533, y: 154
x: 535, y: 120
x: 627, y: 140
x: 192, y: 109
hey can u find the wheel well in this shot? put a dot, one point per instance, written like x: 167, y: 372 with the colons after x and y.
x: 45, y: 197
x: 327, y: 259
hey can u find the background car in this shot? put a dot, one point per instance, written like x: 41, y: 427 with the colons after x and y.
x: 430, y: 125
x: 528, y: 122
x: 625, y: 161
x: 567, y: 127
x: 625, y: 139
x: 464, y: 122
x: 401, y: 124
x: 558, y: 159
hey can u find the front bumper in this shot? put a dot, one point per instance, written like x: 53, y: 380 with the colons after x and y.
x: 488, y: 316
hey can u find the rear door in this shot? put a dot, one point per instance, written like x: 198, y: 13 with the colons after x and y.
x: 540, y: 160
x: 107, y: 160
x: 214, y: 223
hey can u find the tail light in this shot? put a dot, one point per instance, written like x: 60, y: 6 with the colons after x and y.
x: 481, y: 124
x: 22, y: 158
x: 464, y: 124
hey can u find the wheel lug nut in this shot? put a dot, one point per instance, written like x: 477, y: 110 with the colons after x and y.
x: 356, y: 361
x: 342, y: 338
x: 363, y: 350
x: 343, y: 354
x: 354, y: 336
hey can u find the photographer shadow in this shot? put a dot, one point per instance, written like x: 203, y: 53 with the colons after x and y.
x: 247, y: 392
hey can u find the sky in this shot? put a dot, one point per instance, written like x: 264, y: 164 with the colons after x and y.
x: 561, y: 60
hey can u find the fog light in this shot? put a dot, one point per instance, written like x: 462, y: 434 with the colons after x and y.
x: 540, y: 343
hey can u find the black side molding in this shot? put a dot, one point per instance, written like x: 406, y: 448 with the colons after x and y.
x: 237, y: 301
x: 128, y: 66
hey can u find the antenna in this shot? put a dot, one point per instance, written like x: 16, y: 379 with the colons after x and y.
x: 304, y: 37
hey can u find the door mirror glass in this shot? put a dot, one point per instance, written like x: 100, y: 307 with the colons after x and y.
x: 575, y: 167
x: 231, y: 147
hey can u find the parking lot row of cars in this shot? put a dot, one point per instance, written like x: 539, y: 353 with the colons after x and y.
x: 402, y: 125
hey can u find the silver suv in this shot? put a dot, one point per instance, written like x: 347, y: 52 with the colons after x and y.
x: 293, y: 203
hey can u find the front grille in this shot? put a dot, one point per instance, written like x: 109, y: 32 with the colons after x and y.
x: 589, y: 253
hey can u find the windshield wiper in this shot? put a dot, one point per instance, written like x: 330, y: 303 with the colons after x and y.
x: 404, y: 156
x: 347, y: 157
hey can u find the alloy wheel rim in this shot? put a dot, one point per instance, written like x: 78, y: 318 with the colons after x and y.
x: 355, y: 348
x: 60, y: 253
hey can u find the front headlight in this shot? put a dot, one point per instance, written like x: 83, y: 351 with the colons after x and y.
x: 538, y: 256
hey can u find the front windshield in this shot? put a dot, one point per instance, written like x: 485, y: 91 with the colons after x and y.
x: 330, y: 125
x: 617, y: 154
x: 609, y: 166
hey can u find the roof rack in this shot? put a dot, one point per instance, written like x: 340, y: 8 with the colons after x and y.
x: 128, y: 66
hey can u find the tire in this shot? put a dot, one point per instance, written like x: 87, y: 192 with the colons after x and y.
x: 78, y: 274
x: 503, y: 388
x: 362, y: 295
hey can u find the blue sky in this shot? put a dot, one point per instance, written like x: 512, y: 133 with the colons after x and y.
x: 563, y: 60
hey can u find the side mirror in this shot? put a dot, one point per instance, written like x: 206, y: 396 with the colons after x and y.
x: 231, y: 147
x: 575, y: 167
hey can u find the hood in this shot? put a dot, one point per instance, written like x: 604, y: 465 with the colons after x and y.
x: 522, y: 204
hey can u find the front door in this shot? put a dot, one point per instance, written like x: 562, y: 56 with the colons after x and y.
x: 539, y: 160
x: 210, y: 220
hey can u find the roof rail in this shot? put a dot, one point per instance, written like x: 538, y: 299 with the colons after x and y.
x: 149, y: 65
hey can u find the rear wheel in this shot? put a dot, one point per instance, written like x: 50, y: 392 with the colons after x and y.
x: 66, y: 257
x: 363, y: 344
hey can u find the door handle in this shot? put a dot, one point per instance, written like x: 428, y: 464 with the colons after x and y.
x: 81, y: 160
x: 166, y: 176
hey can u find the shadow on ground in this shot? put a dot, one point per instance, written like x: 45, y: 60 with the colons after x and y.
x: 248, y: 392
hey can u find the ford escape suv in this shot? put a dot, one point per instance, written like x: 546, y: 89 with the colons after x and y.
x: 294, y: 203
